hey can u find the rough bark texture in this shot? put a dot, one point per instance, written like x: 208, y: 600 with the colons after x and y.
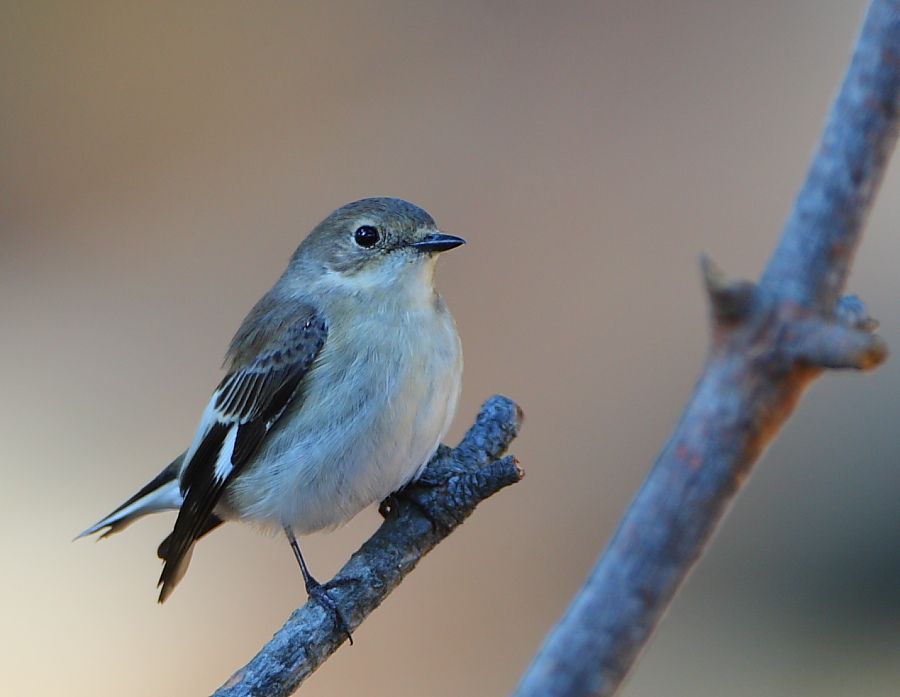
x: 455, y: 481
x: 769, y: 340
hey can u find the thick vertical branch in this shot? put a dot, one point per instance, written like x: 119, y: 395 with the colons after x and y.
x: 768, y: 342
x: 812, y: 261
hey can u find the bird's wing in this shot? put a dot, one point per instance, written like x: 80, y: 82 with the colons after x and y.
x: 261, y: 384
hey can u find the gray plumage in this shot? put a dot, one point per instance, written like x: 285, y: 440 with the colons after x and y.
x: 340, y: 384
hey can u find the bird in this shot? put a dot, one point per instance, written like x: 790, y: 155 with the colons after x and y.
x: 339, y: 386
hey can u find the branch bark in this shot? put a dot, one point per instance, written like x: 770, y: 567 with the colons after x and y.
x: 769, y: 340
x: 454, y: 483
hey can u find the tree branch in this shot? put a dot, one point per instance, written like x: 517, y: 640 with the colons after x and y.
x: 456, y: 481
x: 768, y: 342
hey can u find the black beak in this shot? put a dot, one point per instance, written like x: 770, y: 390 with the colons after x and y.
x: 438, y: 242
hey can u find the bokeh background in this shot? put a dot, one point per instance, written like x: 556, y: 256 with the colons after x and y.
x: 160, y: 161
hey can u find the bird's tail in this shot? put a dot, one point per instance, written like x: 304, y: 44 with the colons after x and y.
x: 162, y: 494
x: 167, y: 582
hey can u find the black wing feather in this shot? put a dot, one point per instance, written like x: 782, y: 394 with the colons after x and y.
x: 211, y: 524
x: 251, y: 400
x: 164, y: 477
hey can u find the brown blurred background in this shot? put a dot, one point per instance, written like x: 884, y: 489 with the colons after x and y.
x: 161, y: 161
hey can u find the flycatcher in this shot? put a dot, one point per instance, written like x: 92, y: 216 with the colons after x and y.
x: 341, y: 383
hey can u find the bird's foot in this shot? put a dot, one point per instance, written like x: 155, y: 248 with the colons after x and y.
x: 319, y: 593
x: 411, y: 493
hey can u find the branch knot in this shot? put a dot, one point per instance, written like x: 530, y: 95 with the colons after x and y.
x: 781, y: 334
x: 730, y: 300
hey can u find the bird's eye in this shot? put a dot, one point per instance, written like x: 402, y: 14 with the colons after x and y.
x: 366, y: 236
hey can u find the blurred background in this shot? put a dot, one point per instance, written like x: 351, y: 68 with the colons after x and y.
x: 160, y: 162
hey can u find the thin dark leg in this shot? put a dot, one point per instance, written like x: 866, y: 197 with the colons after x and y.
x: 304, y: 569
x: 314, y: 589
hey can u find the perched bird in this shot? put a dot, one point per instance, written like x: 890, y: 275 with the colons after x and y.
x: 341, y: 382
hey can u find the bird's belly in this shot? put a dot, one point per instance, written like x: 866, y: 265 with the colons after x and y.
x: 357, y: 435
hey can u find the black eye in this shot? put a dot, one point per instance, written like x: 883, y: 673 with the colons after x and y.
x: 366, y: 236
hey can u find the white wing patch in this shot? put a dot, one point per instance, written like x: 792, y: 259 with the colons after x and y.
x: 223, y: 461
x: 209, y: 418
x: 212, y: 416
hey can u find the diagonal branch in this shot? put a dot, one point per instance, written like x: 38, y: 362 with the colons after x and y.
x: 769, y: 341
x: 457, y: 479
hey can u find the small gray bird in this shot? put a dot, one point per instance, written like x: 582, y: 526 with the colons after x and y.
x: 341, y: 383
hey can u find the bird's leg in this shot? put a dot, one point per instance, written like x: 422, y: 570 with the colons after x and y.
x: 316, y: 590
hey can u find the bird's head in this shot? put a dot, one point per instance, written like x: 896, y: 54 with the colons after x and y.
x: 375, y: 244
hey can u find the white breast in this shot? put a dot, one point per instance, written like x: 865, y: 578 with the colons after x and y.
x: 376, y: 406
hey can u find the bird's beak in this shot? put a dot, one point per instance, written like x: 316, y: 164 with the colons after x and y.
x: 438, y: 242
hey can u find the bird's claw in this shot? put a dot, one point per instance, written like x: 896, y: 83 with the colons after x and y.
x: 411, y: 494
x: 319, y: 593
